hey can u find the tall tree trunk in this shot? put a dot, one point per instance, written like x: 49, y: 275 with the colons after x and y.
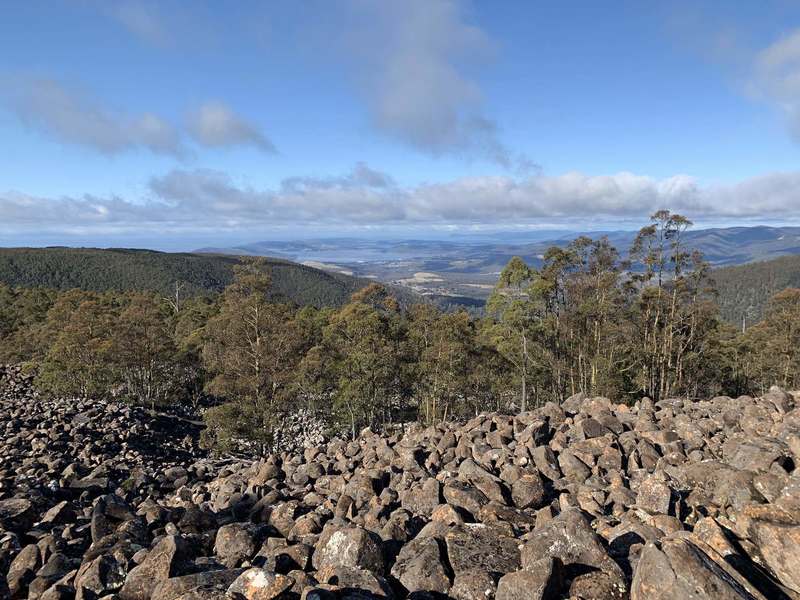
x: 524, y: 399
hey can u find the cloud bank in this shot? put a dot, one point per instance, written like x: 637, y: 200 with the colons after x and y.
x: 212, y: 200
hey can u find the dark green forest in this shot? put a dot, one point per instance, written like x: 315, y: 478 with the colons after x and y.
x: 586, y: 320
x: 744, y: 290
x: 124, y: 270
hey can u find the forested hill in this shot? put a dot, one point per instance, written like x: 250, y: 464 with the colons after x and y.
x: 126, y: 269
x: 745, y: 290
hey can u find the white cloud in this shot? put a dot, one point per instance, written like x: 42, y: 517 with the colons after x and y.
x: 777, y: 77
x: 362, y: 175
x: 72, y: 116
x: 412, y: 61
x: 142, y: 20
x: 214, y: 124
x: 205, y: 199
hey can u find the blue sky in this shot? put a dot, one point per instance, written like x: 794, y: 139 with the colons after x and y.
x: 133, y: 120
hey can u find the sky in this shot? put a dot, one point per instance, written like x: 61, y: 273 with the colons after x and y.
x: 179, y: 124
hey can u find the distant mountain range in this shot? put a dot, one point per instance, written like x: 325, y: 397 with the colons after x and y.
x: 468, y: 266
x: 722, y: 246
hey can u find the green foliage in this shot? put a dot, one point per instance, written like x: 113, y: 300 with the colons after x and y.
x: 669, y: 318
x: 79, y: 362
x: 251, y: 351
x: 513, y: 305
x: 358, y: 362
x: 228, y: 424
x: 745, y: 290
x: 772, y: 347
x: 561, y: 326
x: 143, y: 351
x: 22, y: 311
x: 447, y: 353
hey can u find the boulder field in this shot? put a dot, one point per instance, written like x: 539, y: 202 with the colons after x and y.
x: 588, y: 499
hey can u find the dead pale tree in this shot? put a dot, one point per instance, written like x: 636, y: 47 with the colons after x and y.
x: 174, y: 301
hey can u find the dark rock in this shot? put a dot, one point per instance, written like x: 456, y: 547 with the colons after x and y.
x: 528, y: 491
x: 654, y: 496
x: 419, y: 567
x: 474, y: 584
x: 680, y: 569
x: 350, y: 547
x: 16, y: 514
x: 570, y: 539
x: 776, y: 536
x: 101, y: 499
x: 541, y: 582
x: 22, y: 569
x: 572, y: 467
x: 259, y: 584
x: 167, y: 559
x: 237, y: 542
x: 172, y: 588
x: 99, y: 577
x: 355, y: 581
x: 422, y: 499
x: 465, y: 496
x: 479, y: 546
x: 546, y: 462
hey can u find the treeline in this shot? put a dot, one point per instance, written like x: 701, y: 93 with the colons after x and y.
x: 134, y: 345
x: 585, y: 321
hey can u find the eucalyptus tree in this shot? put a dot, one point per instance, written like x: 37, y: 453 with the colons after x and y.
x: 672, y: 283
x: 79, y: 360
x: 444, y: 347
x: 143, y: 351
x: 22, y: 312
x: 359, y: 361
x: 518, y: 322
x: 251, y: 351
x: 773, y: 345
x: 589, y: 328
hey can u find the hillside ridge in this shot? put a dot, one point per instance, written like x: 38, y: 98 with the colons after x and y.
x: 130, y: 269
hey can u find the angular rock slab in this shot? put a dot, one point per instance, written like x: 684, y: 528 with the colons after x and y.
x: 570, y: 539
x: 163, y: 561
x: 419, y: 567
x: 478, y: 546
x: 541, y: 582
x: 348, y: 547
x: 681, y: 569
x: 259, y: 584
x: 778, y: 542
